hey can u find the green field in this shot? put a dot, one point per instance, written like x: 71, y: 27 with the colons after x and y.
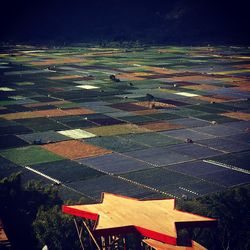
x: 155, y: 108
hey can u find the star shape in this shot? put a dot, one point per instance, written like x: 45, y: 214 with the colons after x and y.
x: 157, y: 219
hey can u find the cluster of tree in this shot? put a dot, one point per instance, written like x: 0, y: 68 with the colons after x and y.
x: 231, y: 209
x: 32, y: 217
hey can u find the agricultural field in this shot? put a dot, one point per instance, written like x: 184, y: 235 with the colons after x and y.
x: 144, y: 122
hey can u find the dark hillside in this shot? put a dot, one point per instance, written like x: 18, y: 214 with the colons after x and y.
x: 158, y: 21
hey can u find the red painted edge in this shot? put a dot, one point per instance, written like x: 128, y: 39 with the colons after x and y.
x: 80, y: 213
x: 157, y: 236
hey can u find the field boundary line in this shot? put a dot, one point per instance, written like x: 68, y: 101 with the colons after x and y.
x: 43, y: 175
x: 220, y: 164
x: 58, y: 182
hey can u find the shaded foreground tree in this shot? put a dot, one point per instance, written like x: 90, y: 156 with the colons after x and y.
x: 55, y: 229
x: 231, y: 208
x: 32, y: 215
x: 17, y: 210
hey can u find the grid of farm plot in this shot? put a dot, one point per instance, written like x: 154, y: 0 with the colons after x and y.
x: 144, y: 122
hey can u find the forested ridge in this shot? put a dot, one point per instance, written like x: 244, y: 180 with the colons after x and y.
x: 159, y: 21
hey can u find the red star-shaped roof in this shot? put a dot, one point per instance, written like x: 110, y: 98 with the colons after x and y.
x: 156, y: 219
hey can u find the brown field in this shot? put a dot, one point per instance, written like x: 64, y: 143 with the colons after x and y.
x: 64, y: 77
x: 238, y: 115
x: 57, y: 61
x: 155, y: 104
x: 46, y: 113
x: 74, y: 149
x: 210, y: 99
